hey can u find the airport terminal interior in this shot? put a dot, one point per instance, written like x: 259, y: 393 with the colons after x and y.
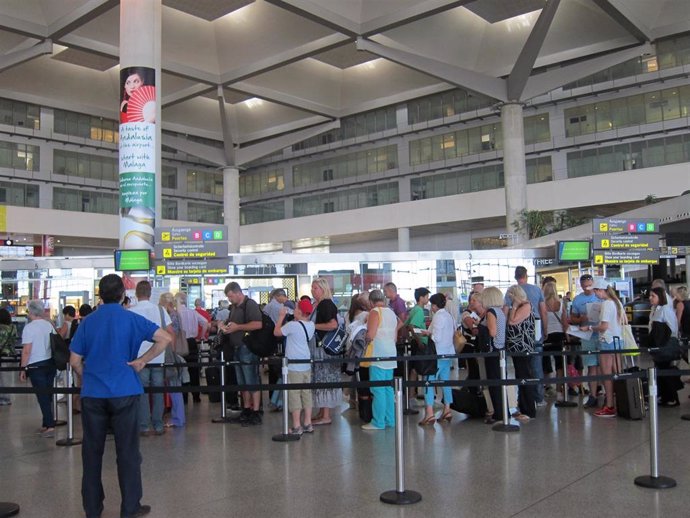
x: 422, y: 142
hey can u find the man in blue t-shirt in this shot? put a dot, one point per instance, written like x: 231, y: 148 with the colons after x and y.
x: 536, y: 300
x: 104, y: 353
x: 578, y: 317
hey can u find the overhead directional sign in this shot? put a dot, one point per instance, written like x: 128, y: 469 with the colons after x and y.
x: 675, y: 251
x: 195, y: 234
x: 192, y: 267
x: 625, y: 242
x: 625, y: 226
x: 191, y: 250
x: 640, y: 256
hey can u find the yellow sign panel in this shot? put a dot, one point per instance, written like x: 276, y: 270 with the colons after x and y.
x: 598, y: 259
x: 165, y: 236
x: 167, y: 253
x: 605, y: 243
x: 603, y: 227
x: 160, y: 269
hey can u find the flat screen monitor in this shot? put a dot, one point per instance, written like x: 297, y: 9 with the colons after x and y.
x: 573, y: 251
x: 132, y: 260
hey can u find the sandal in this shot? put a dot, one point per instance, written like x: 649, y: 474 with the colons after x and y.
x: 446, y: 417
x: 427, y: 421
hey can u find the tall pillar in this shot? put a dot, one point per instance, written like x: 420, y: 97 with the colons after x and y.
x: 514, y: 168
x: 140, y: 109
x: 403, y: 239
x: 231, y: 206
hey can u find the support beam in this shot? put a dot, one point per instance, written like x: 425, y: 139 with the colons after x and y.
x: 212, y: 154
x: 228, y: 123
x: 23, y: 27
x: 285, y: 99
x: 552, y: 79
x: 21, y: 56
x: 491, y: 86
x: 525, y: 62
x: 409, y: 15
x: 185, y: 94
x: 319, y: 14
x: 83, y: 14
x: 635, y: 27
x: 255, y: 151
x: 282, y: 59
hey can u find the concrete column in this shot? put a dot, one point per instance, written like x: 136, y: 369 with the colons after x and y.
x: 403, y: 239
x: 231, y: 206
x: 139, y: 103
x: 514, y: 168
x: 45, y: 195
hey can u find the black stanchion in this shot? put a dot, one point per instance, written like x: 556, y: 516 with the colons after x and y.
x: 505, y: 425
x: 654, y: 480
x: 8, y: 509
x: 406, y: 376
x: 223, y: 413
x: 286, y: 436
x: 400, y: 495
x: 58, y: 422
x: 69, y: 440
x: 565, y: 403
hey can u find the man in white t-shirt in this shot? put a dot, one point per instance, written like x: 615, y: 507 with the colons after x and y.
x: 151, y: 376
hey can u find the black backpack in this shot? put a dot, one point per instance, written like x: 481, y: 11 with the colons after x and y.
x: 261, y: 341
x: 685, y: 319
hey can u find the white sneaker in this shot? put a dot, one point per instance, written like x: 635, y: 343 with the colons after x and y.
x: 540, y: 404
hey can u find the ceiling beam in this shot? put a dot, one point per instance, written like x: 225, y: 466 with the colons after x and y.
x: 83, y: 14
x: 284, y: 58
x: 552, y: 79
x: 212, y: 154
x: 228, y: 123
x: 21, y: 56
x: 530, y: 51
x: 319, y: 14
x: 23, y: 27
x: 618, y: 13
x: 491, y: 86
x: 185, y: 94
x: 406, y: 16
x: 253, y: 152
x: 285, y: 99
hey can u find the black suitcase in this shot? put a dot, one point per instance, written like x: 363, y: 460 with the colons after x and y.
x: 213, y: 380
x: 629, y: 392
x: 466, y: 400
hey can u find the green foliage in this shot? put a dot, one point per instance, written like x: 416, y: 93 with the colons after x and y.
x: 536, y: 223
x: 650, y: 199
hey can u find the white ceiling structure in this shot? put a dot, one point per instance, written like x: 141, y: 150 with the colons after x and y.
x: 285, y: 65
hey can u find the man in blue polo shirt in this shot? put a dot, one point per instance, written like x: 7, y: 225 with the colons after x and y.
x: 578, y: 317
x: 104, y: 352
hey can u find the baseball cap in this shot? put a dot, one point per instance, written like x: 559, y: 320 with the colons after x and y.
x: 600, y: 284
x: 305, y: 306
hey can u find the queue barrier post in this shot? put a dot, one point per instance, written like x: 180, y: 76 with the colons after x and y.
x: 286, y: 436
x: 407, y: 410
x: 654, y: 480
x: 223, y: 415
x: 565, y: 403
x: 505, y: 425
x: 58, y: 422
x: 69, y: 440
x: 400, y: 495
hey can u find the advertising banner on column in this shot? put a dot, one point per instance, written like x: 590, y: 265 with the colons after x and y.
x: 137, y: 157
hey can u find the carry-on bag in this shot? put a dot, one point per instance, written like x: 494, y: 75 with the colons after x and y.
x: 213, y: 380
x: 467, y: 400
x: 629, y: 393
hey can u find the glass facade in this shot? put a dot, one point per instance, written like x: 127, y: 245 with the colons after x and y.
x: 169, y: 177
x: 19, y: 156
x: 86, y: 126
x: 19, y: 194
x: 346, y: 166
x: 359, y: 125
x: 85, y: 201
x: 657, y: 106
x: 94, y: 167
x: 261, y: 212
x: 633, y: 155
x: 204, y: 182
x: 347, y: 199
x: 169, y: 208
x: 446, y: 104
x: 17, y: 113
x: 473, y: 141
x: 475, y: 179
x: 261, y: 182
x: 205, y: 212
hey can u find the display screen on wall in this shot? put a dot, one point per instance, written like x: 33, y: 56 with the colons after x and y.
x: 573, y: 251
x: 132, y: 260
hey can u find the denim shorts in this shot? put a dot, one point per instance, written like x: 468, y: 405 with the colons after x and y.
x: 246, y: 374
x: 590, y: 360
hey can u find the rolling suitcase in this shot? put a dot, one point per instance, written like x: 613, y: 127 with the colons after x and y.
x: 628, y: 393
x: 466, y: 400
x: 213, y: 380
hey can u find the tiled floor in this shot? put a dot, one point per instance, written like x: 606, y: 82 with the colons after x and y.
x: 563, y: 464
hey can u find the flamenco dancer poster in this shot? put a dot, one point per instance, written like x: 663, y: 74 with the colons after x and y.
x: 137, y: 157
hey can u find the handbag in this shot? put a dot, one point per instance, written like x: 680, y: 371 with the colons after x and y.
x: 369, y: 350
x: 333, y: 342
x: 459, y: 340
x: 181, y: 346
x: 59, y: 350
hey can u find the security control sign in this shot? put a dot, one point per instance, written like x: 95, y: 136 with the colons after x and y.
x: 626, y: 242
x: 625, y: 226
x: 191, y: 234
x: 640, y: 256
x: 192, y: 267
x: 191, y: 250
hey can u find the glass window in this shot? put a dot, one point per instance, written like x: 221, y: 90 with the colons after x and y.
x: 653, y: 107
x: 670, y: 100
x: 602, y: 112
x: 169, y: 178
